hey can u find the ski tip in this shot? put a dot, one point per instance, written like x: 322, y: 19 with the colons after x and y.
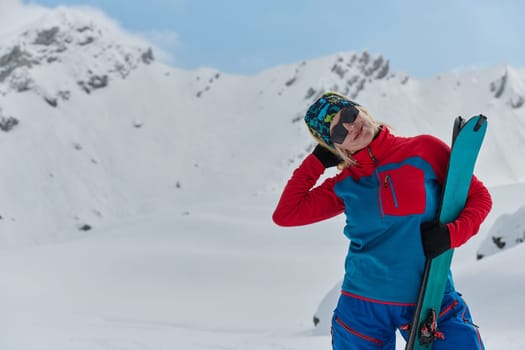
x: 459, y: 122
x: 481, y: 120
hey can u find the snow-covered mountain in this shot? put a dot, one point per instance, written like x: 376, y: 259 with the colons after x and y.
x: 66, y: 51
x: 159, y: 183
x: 94, y: 129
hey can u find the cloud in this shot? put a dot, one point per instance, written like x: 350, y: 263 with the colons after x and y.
x: 14, y: 14
x: 164, y: 44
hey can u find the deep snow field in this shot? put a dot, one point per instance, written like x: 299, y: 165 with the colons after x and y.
x: 216, y: 276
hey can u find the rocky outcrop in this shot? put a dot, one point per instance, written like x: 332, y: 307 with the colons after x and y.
x: 509, y: 88
x: 88, y: 53
x: 350, y: 74
x: 7, y: 123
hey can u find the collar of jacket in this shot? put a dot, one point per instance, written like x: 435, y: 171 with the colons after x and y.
x: 371, y: 156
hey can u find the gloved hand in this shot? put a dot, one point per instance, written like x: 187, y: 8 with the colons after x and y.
x: 328, y: 158
x: 435, y: 238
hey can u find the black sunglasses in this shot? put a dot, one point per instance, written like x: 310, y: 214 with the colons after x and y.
x: 339, y: 132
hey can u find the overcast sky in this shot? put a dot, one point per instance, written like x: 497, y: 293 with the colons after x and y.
x: 422, y: 38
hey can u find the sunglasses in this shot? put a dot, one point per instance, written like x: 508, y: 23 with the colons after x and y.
x: 339, y: 132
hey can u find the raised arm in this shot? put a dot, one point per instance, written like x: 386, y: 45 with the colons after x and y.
x: 301, y: 203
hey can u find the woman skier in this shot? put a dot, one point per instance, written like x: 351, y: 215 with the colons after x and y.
x: 389, y: 188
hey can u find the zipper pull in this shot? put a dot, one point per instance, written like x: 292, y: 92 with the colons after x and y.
x: 374, y: 159
x: 387, y: 180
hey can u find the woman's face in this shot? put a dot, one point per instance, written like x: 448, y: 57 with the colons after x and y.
x: 360, y: 132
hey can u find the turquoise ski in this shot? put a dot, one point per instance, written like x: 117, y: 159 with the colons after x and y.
x: 467, y: 138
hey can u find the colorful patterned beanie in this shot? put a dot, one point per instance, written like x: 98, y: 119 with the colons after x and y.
x: 321, y: 113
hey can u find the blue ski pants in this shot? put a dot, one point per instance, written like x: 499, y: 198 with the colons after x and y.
x: 360, y: 324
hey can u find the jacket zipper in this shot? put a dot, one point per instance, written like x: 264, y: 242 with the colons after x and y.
x: 388, y: 183
x: 371, y: 154
x: 379, y: 199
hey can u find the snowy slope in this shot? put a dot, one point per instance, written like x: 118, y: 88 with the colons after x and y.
x: 217, y: 278
x: 508, y: 230
x: 136, y: 197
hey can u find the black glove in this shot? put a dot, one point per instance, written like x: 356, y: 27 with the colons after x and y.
x: 435, y: 238
x: 327, y: 157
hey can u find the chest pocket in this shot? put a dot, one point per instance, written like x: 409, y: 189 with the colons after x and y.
x: 402, y: 191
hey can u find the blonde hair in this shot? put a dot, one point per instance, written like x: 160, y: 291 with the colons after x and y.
x: 345, y: 155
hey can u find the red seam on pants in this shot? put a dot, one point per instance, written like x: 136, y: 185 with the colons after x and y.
x: 448, y: 308
x: 356, y: 333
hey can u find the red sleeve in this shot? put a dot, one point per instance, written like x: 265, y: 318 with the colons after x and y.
x: 477, y: 207
x: 478, y: 203
x: 300, y: 204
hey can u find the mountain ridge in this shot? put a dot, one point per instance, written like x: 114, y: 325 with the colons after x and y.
x: 67, y: 39
x: 87, y: 143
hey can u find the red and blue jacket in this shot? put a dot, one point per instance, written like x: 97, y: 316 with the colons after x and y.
x: 394, y: 187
